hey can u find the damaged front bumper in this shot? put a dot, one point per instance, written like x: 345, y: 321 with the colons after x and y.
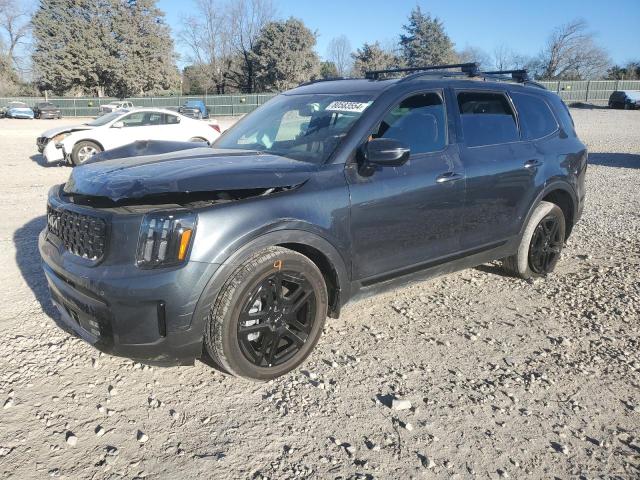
x: 52, y: 153
x: 120, y: 309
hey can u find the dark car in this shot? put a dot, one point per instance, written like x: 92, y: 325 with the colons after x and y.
x: 194, y: 109
x: 47, y: 110
x: 327, y: 193
x: 627, y: 99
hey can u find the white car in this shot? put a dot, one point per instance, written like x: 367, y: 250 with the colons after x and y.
x: 113, y: 106
x: 76, y: 144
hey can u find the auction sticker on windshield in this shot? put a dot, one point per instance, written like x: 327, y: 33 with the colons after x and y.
x: 342, y: 106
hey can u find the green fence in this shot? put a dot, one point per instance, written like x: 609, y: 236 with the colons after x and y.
x: 218, y: 105
x: 595, y: 92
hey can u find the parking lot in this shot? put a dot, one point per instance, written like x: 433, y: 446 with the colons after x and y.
x: 506, y: 378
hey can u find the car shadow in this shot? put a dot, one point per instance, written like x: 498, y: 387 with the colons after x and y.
x: 25, y: 241
x: 493, y: 269
x: 618, y: 160
x: 589, y: 106
x: 39, y: 159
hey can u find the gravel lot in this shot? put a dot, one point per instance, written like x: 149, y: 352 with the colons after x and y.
x: 505, y: 378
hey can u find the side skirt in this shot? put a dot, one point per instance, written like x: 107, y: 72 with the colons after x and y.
x: 417, y: 273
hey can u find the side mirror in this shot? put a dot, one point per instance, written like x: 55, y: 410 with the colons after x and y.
x: 386, y: 151
x: 118, y: 125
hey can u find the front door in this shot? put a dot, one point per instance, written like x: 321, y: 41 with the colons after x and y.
x: 407, y: 216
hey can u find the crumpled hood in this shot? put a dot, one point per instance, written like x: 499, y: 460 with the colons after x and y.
x: 196, y: 170
x: 58, y: 130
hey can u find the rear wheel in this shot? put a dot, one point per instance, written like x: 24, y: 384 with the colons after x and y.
x: 83, y: 151
x: 268, y: 316
x: 541, y: 243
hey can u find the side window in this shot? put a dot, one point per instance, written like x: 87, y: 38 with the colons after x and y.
x: 536, y: 118
x: 133, y: 119
x: 418, y: 122
x: 487, y: 119
x: 153, y: 118
x: 171, y: 119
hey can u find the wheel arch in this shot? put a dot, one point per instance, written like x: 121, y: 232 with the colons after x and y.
x: 561, y: 194
x: 319, y: 250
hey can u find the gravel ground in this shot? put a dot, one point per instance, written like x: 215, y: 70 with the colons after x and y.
x: 500, y: 377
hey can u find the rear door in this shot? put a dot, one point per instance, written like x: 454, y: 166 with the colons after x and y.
x: 403, y: 217
x: 501, y: 168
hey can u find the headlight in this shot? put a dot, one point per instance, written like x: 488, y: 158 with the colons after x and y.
x: 61, y: 136
x: 165, y: 238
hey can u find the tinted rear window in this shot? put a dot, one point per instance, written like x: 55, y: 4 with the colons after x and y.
x: 487, y: 119
x: 536, y: 118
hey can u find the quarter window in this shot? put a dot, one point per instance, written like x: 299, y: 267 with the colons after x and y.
x: 536, y: 118
x: 418, y: 122
x: 487, y: 119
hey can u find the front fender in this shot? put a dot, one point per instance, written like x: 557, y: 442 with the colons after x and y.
x: 260, y: 242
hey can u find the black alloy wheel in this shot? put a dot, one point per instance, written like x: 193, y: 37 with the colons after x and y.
x: 277, y: 318
x: 546, y: 245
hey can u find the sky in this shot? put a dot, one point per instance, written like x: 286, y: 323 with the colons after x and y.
x: 521, y: 25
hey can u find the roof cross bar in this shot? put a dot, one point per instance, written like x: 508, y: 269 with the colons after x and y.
x: 470, y: 69
x: 519, y: 76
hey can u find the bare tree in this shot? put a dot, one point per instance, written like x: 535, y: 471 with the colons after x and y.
x: 208, y: 37
x: 248, y: 18
x: 474, y: 54
x: 220, y: 37
x: 571, y: 53
x: 339, y: 53
x: 15, y: 25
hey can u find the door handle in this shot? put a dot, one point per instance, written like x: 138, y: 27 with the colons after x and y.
x: 448, y: 177
x: 532, y: 163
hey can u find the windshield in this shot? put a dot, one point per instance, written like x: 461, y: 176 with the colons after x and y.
x: 302, y: 127
x: 104, y: 119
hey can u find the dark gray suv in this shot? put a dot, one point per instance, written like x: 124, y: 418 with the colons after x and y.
x: 329, y: 192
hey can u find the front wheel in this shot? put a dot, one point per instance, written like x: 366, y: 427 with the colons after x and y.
x: 83, y: 151
x: 268, y: 316
x: 540, y: 245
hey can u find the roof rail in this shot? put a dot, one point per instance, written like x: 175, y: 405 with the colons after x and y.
x: 520, y: 76
x: 470, y: 69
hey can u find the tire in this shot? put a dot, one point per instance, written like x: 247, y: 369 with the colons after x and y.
x: 247, y: 315
x: 541, y: 243
x: 82, y: 151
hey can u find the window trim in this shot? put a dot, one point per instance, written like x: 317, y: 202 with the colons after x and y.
x: 553, y: 115
x: 396, y: 102
x: 505, y: 94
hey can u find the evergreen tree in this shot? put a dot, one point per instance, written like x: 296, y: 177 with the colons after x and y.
x: 284, y: 55
x: 372, y: 57
x: 425, y: 41
x: 328, y: 70
x: 109, y: 47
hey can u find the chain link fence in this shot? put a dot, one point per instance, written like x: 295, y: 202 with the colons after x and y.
x: 218, y: 105
x: 594, y: 92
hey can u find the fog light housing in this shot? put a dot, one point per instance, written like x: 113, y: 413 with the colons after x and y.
x: 165, y: 239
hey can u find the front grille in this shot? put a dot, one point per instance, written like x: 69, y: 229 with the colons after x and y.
x: 82, y: 235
